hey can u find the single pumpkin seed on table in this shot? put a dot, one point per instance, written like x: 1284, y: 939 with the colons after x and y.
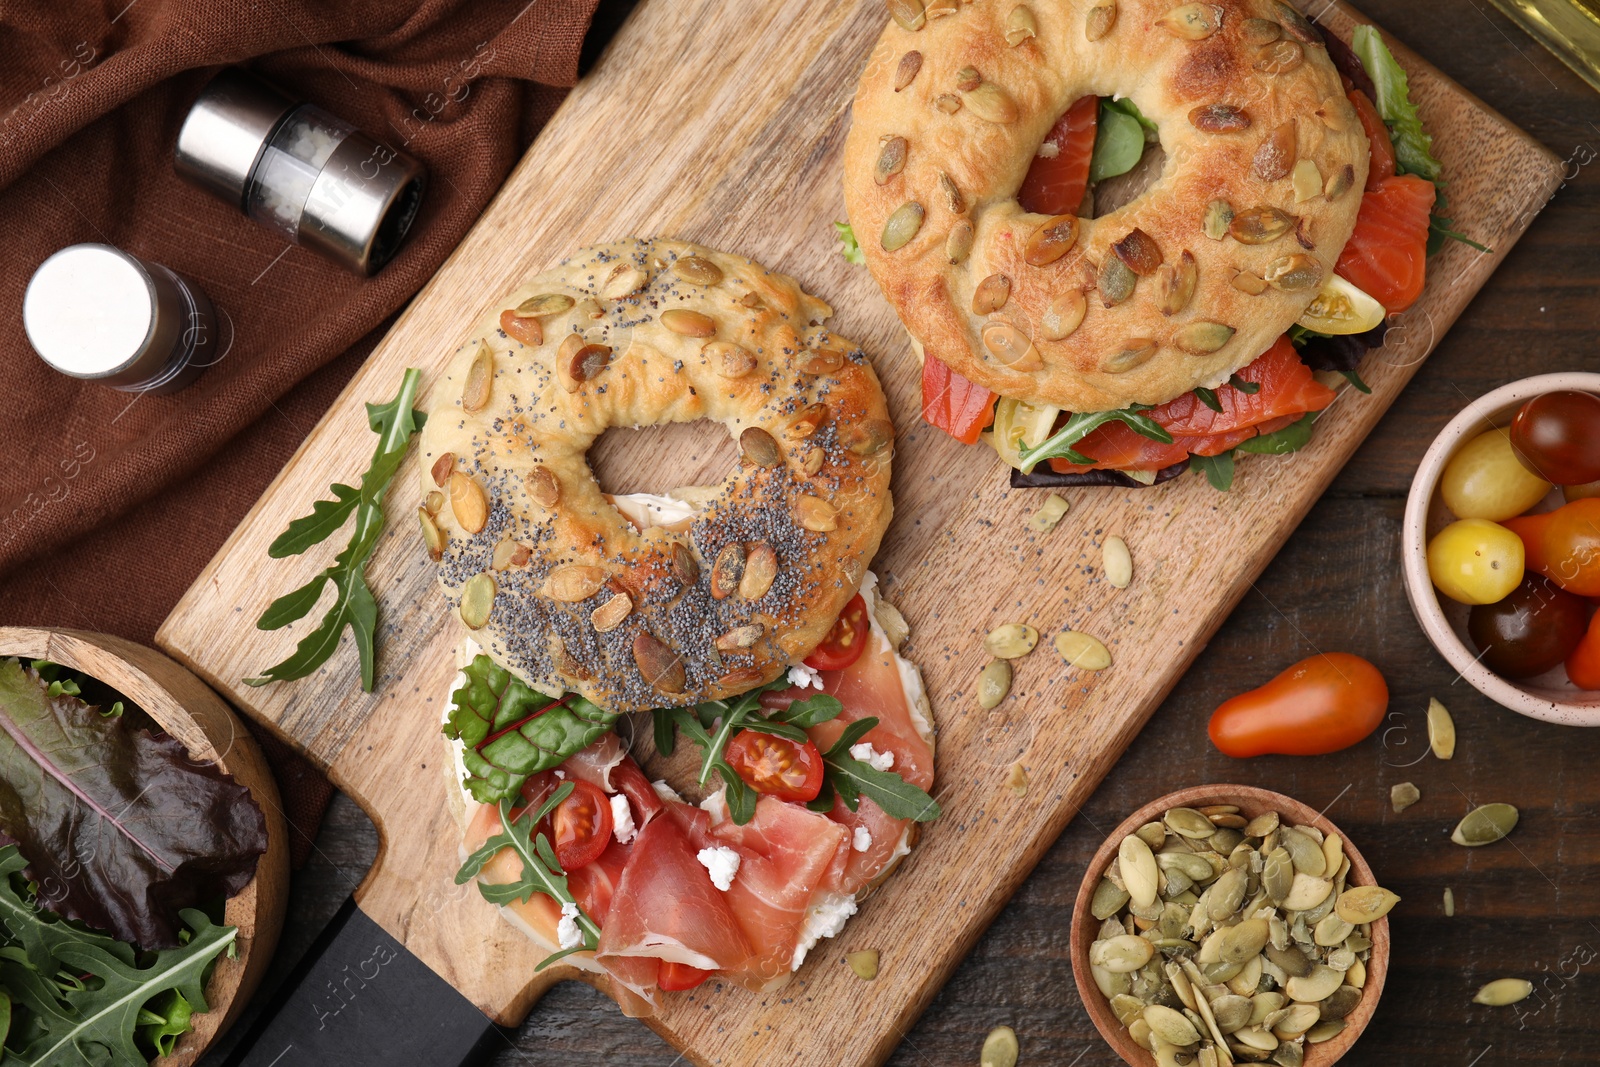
x: 1403, y: 796
x: 1083, y: 651
x: 1503, y: 992
x: 1051, y: 512
x: 1017, y: 780
x: 1118, y: 562
x: 864, y: 963
x: 1485, y: 825
x: 994, y: 682
x: 999, y: 1048
x: 1441, y: 730
x: 1011, y: 641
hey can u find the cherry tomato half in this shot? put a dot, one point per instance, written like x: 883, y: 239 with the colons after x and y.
x: 1557, y: 436
x: 845, y: 641
x: 1531, y: 631
x: 1319, y: 705
x: 582, y: 826
x: 776, y: 765
x: 674, y: 977
x: 1583, y: 666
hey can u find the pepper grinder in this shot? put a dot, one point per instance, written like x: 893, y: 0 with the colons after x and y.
x: 299, y: 171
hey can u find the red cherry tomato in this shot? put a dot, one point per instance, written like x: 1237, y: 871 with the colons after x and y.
x: 846, y: 641
x: 1564, y: 545
x: 582, y: 826
x: 674, y: 977
x: 1557, y: 437
x: 776, y: 765
x: 1529, y: 632
x: 1583, y: 666
x: 1319, y: 705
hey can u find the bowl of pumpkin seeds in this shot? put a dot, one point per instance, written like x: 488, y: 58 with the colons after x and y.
x: 1227, y: 924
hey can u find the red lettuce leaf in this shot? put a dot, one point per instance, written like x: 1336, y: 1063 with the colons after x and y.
x: 121, y: 828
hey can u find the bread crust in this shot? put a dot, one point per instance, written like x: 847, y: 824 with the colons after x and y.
x: 808, y: 524
x: 1132, y: 351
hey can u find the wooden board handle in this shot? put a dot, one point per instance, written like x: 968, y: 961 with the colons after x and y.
x: 361, y: 999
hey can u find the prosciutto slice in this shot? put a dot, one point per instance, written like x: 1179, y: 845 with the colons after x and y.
x: 786, y: 853
x: 666, y: 907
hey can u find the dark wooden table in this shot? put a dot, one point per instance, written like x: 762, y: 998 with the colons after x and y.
x: 1528, y: 908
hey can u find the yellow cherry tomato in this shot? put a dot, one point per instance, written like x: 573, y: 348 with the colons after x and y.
x: 1475, y: 561
x: 1485, y: 480
x: 1341, y: 308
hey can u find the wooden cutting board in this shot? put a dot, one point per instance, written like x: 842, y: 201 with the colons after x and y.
x: 722, y: 121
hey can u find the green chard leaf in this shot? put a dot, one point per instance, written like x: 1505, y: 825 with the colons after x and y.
x: 354, y: 605
x: 1059, y: 444
x: 124, y: 828
x: 851, y: 249
x: 541, y: 872
x: 1413, y: 146
x: 1217, y: 469
x: 508, y: 730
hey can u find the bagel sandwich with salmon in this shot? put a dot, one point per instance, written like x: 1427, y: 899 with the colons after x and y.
x: 1134, y: 239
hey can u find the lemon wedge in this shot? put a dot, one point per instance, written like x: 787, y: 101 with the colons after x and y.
x: 1341, y: 308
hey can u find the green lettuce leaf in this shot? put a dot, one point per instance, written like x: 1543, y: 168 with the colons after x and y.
x: 123, y: 830
x: 852, y: 248
x: 1413, y: 146
x: 509, y: 730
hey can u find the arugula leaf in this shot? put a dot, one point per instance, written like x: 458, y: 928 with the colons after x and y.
x: 853, y: 779
x: 509, y: 730
x: 91, y: 999
x: 1217, y: 469
x: 354, y: 605
x: 541, y: 871
x: 1119, y: 141
x: 1355, y: 379
x: 810, y: 711
x: 1413, y: 146
x: 1208, y: 398
x: 1441, y: 230
x: 125, y: 828
x: 1247, y: 388
x: 740, y: 797
x: 852, y: 248
x: 1077, y: 427
x: 1291, y: 438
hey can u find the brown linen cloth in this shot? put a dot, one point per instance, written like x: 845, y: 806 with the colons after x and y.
x: 110, y: 503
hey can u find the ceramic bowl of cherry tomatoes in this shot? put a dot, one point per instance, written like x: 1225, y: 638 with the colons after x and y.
x: 1502, y: 546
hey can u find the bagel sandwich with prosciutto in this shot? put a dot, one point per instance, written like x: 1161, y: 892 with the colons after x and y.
x: 735, y: 625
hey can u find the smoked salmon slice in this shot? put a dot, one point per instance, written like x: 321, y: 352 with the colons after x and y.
x: 1287, y: 387
x: 1059, y: 175
x: 957, y: 406
x: 1387, y: 256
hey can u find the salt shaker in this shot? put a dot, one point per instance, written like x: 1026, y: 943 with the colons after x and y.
x: 95, y: 312
x: 299, y: 171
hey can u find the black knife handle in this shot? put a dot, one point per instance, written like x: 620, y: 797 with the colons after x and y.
x: 361, y: 999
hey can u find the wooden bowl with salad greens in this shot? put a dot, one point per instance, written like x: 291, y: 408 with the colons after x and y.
x: 143, y: 859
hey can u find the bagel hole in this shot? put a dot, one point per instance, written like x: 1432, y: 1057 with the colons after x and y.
x: 657, y: 459
x: 1114, y: 194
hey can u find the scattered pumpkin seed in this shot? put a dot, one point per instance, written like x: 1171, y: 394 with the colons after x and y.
x: 958, y: 245
x: 994, y: 682
x: 999, y: 1048
x: 910, y: 14
x: 1051, y: 512
x: 1018, y: 780
x: 864, y: 963
x: 1306, y: 178
x: 992, y: 104
x: 432, y: 535
x: 1118, y: 562
x: 1485, y: 825
x: 1503, y: 992
x: 1011, y: 641
x: 906, y: 72
x: 1021, y: 25
x: 1203, y: 338
x: 1402, y: 796
x: 1441, y: 730
x: 1218, y: 217
x: 1449, y: 903
x: 1083, y: 651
